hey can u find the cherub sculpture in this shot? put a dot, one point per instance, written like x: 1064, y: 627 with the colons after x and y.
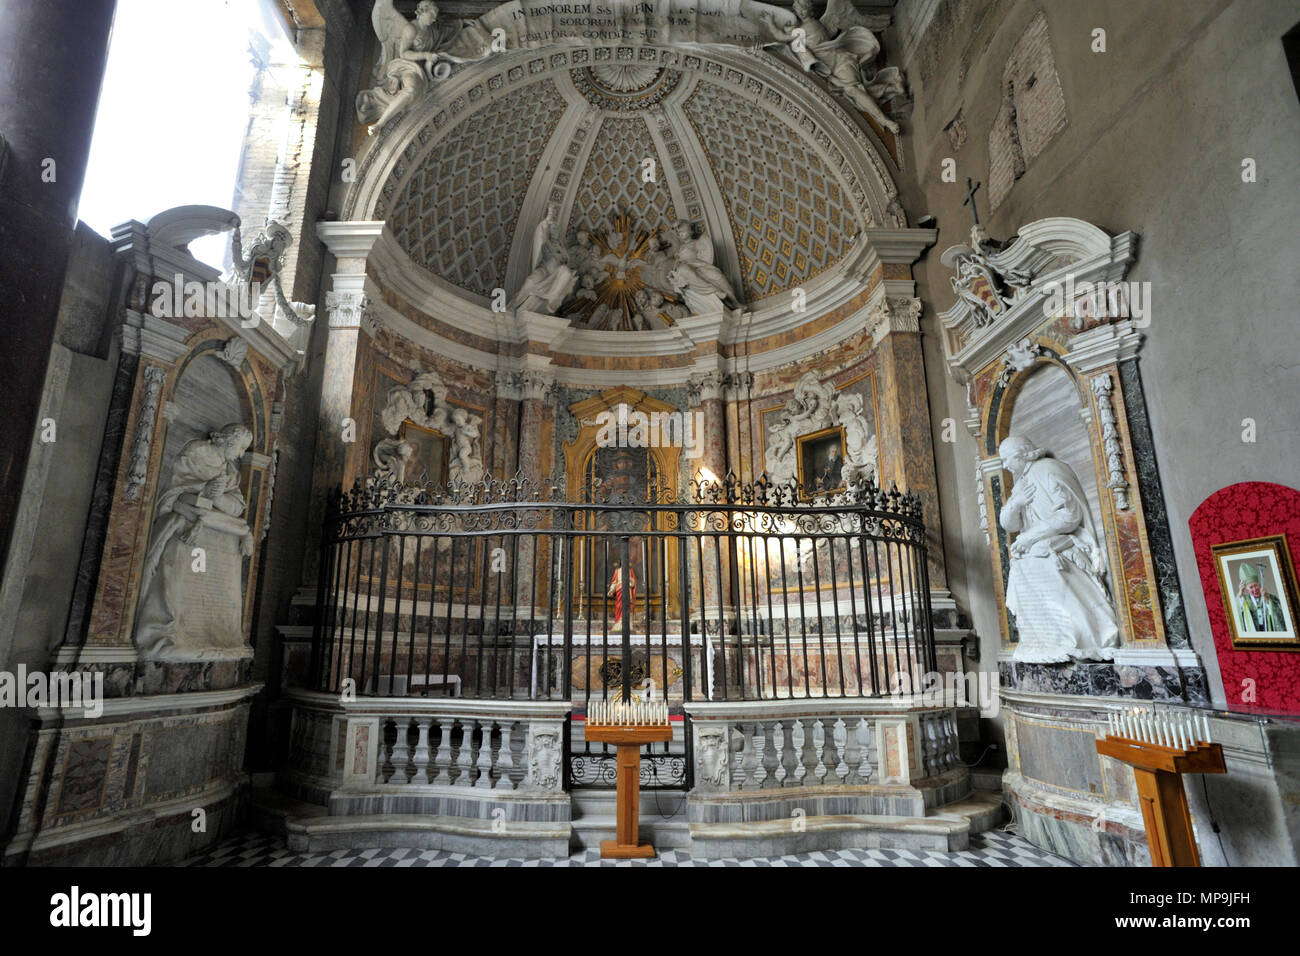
x: 842, y: 49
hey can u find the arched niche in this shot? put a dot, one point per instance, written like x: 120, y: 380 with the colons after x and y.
x: 1045, y: 407
x: 657, y: 571
x: 208, y: 394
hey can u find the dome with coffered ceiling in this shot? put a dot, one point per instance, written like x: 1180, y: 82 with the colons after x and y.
x: 624, y: 143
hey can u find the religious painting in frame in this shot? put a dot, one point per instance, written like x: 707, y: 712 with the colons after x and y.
x: 820, y: 456
x: 428, y: 464
x: 1257, y: 580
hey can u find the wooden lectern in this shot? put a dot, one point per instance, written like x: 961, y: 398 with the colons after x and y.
x: 628, y: 739
x: 1158, y: 771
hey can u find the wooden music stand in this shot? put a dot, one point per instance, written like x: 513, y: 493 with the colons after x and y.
x: 1158, y: 770
x: 628, y: 739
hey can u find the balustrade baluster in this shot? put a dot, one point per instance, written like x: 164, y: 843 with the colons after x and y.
x: 769, y: 756
x: 505, y: 758
x: 809, y: 755
x: 381, y: 758
x: 465, y: 757
x: 401, y: 750
x: 951, y: 741
x: 443, y: 758
x: 753, y: 740
x: 789, y: 759
x: 421, y: 759
x: 485, y: 756
x: 931, y: 747
x: 852, y: 750
x: 830, y: 753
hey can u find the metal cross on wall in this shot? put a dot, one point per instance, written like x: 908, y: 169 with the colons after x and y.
x: 970, y: 199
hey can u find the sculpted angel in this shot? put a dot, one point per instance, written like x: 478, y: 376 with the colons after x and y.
x: 411, y: 54
x: 842, y: 49
x: 693, y: 273
x: 551, y: 281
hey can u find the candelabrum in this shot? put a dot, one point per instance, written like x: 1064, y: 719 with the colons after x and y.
x: 628, y: 724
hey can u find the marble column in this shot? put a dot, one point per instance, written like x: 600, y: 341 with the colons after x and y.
x: 53, y: 54
x: 907, y: 449
x: 735, y: 392
x: 706, y: 398
x: 340, y: 455
x: 536, y: 428
x: 536, y: 423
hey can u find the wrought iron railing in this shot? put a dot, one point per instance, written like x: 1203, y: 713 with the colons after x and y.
x: 505, y: 590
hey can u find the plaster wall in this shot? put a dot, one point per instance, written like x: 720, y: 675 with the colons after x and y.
x: 1157, y: 129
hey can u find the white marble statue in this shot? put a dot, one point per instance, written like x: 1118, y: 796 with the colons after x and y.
x: 1056, y: 587
x: 815, y: 406
x: 551, y: 280
x: 392, y: 457
x: 466, y: 463
x: 423, y: 401
x: 778, y: 459
x: 859, y: 444
x: 411, y: 54
x: 703, y: 286
x: 202, y: 493
x: 841, y: 48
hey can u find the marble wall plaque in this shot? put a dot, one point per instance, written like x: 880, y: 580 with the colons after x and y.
x: 211, y: 613
x: 1063, y: 757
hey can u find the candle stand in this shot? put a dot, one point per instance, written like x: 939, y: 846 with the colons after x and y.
x: 1159, y: 758
x: 628, y: 738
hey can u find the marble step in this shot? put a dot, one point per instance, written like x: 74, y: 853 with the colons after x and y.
x: 986, y: 778
x: 270, y: 810
x: 982, y: 810
x: 594, y: 818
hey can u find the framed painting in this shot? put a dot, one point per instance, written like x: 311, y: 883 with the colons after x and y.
x: 1258, y: 583
x: 821, y: 462
x: 429, y: 459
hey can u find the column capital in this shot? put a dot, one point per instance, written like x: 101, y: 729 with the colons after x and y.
x: 736, y: 384
x: 351, y: 239
x: 348, y: 310
x: 705, y: 387
x: 894, y: 313
x: 525, y: 384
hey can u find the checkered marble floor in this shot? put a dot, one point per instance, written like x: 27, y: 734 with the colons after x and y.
x: 993, y: 849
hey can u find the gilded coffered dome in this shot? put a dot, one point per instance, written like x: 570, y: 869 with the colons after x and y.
x: 743, y: 147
